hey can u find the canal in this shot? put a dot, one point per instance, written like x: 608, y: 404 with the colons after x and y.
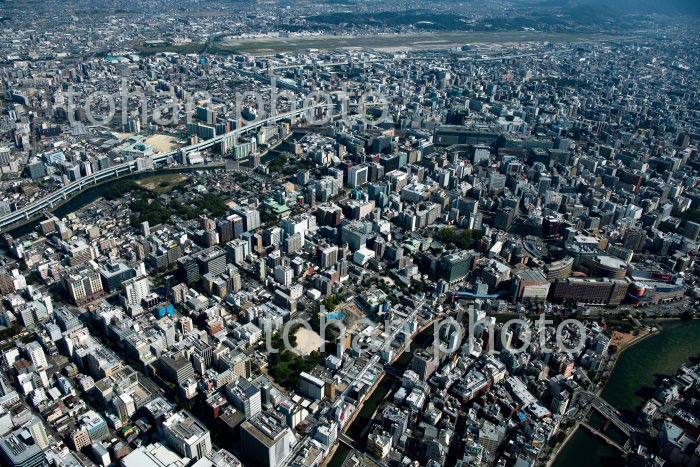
x: 358, y: 429
x: 632, y: 382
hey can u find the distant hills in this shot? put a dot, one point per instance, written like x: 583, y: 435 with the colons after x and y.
x: 667, y: 7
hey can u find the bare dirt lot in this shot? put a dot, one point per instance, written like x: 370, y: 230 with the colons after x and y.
x: 163, y: 183
x: 307, y: 341
x: 162, y: 143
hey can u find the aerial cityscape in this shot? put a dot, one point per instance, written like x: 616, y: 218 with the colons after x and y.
x: 349, y: 233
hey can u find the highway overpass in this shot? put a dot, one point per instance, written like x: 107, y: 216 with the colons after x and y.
x: 57, y: 197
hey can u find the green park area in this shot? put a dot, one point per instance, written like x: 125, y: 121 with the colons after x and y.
x: 148, y: 206
x: 285, y: 365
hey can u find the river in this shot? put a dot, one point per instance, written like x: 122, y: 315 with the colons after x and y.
x: 631, y: 383
x: 94, y: 192
x: 357, y: 430
x: 629, y: 386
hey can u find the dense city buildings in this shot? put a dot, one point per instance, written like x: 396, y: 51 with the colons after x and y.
x: 345, y: 233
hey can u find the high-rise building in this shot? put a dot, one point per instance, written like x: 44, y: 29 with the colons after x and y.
x: 237, y: 223
x: 153, y: 455
x: 222, y: 458
x: 299, y: 224
x: 560, y: 269
x: 273, y: 237
x: 18, y: 450
x: 80, y: 438
x: 599, y: 291
x: 354, y: 235
x: 379, y: 445
x: 95, y: 425
x: 329, y: 256
x: 250, y: 216
x: 66, y: 319
x: 311, y: 386
x: 327, y: 433
x: 103, y: 362
x: 36, y: 355
x: 225, y: 229
x: 329, y: 214
x: 78, y: 252
x: 261, y: 269
x: 238, y: 363
x: 497, y: 182
x: 424, y: 363
x: 455, y: 266
x: 186, y: 324
x: 343, y: 268
x: 178, y: 293
x: 177, y: 370
x: 124, y: 405
x: 38, y: 430
x: 293, y: 243
x: 284, y: 275
x: 237, y: 251
x: 212, y: 261
x: 634, y: 238
x: 113, y: 274
x: 36, y: 168
x: 268, y: 440
x: 6, y: 284
x: 530, y: 285
x: 691, y: 230
x: 245, y: 396
x: 503, y: 218
x: 358, y: 175
x: 187, y: 435
x: 135, y: 290
x: 188, y: 270
x: 83, y: 284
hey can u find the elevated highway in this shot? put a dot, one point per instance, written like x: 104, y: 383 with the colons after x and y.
x: 57, y: 197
